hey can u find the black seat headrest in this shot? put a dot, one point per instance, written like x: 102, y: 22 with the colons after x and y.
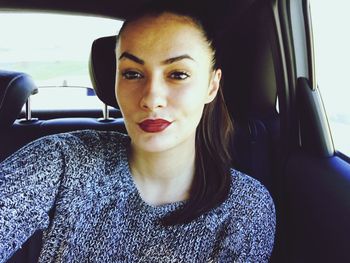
x: 102, y: 67
x: 15, y: 89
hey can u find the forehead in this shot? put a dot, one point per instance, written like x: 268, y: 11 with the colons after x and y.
x: 164, y: 20
x: 163, y: 33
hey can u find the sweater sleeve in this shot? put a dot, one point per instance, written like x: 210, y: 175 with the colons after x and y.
x: 256, y: 234
x: 29, y: 182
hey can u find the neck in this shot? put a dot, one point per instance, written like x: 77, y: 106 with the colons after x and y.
x: 163, y: 177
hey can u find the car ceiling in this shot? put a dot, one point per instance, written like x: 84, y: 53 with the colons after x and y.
x: 120, y: 9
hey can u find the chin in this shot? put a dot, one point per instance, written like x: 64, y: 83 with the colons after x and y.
x: 154, y: 143
x: 168, y: 139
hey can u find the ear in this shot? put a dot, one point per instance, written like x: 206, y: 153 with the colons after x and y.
x: 214, y: 85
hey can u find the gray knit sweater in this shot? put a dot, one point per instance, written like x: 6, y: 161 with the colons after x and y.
x: 100, y: 217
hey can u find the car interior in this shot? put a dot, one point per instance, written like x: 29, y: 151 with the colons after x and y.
x: 281, y: 132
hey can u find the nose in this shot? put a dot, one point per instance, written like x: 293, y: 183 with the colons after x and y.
x: 154, y: 94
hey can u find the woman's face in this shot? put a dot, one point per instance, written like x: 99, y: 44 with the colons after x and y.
x: 164, y: 79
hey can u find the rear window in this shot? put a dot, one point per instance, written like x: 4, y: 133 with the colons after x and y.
x: 54, y: 49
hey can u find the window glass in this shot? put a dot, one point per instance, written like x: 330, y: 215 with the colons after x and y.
x: 54, y: 50
x: 330, y: 21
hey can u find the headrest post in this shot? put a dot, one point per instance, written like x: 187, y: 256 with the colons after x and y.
x: 105, y: 112
x: 28, y: 110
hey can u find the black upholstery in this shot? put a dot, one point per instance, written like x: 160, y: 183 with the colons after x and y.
x: 102, y: 67
x: 15, y: 89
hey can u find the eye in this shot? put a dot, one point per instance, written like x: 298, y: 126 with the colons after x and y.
x: 131, y: 74
x: 179, y: 75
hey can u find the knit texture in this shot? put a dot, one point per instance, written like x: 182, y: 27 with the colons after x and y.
x: 99, y: 215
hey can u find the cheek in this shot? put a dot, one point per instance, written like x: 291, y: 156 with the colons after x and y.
x: 189, y: 101
x: 125, y: 101
x: 127, y: 108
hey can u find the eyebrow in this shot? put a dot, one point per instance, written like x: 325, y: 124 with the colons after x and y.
x: 131, y: 57
x: 167, y: 61
x: 174, y: 59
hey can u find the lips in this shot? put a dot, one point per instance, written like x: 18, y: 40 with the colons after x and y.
x: 154, y: 125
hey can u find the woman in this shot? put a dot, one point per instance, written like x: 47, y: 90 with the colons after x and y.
x: 166, y: 193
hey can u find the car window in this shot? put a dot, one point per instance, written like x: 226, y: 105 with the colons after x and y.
x: 54, y: 49
x: 330, y: 20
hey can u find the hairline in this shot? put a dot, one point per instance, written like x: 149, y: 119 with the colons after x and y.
x: 190, y: 20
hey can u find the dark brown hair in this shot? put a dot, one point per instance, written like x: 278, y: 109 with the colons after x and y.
x: 212, y: 177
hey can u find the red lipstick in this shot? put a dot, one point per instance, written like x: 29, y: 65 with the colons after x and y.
x: 156, y: 125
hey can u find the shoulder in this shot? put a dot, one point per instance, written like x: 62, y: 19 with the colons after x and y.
x: 77, y: 145
x: 83, y: 140
x: 90, y: 137
x: 250, y: 203
x: 249, y: 192
x: 250, y: 221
